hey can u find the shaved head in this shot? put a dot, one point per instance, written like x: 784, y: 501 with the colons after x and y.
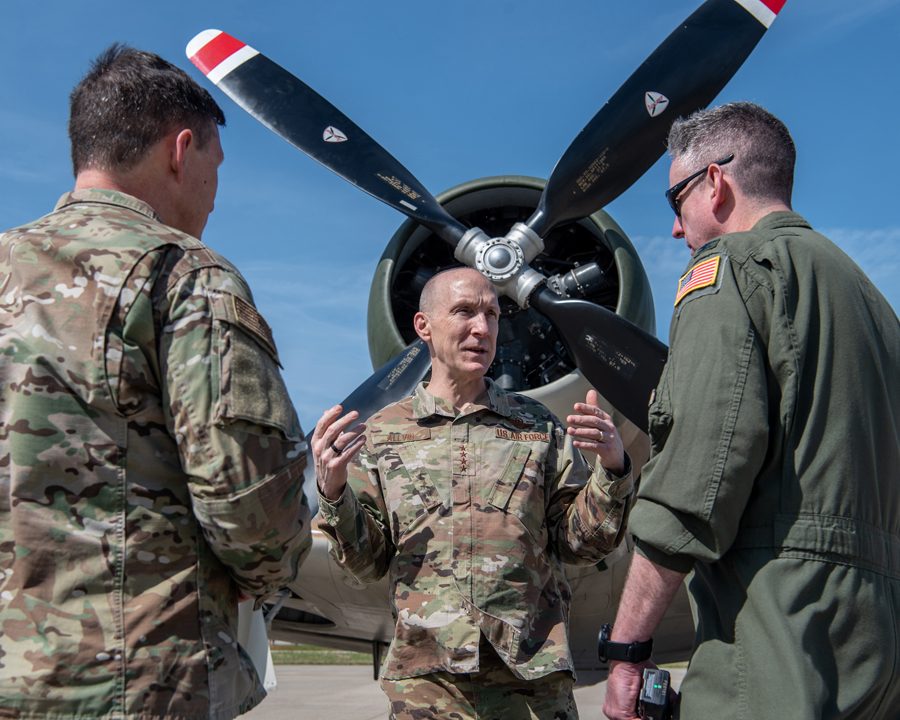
x: 439, y: 284
x: 459, y: 319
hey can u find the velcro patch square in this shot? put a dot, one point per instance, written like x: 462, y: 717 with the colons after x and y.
x: 248, y: 317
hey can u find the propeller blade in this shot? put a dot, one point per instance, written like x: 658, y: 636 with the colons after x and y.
x: 617, y: 146
x: 628, y: 135
x: 617, y: 357
x: 297, y: 113
x: 393, y: 381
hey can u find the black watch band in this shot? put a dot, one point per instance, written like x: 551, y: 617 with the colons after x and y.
x: 627, y: 652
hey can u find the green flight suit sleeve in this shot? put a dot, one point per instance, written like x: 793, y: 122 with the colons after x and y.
x: 238, y: 436
x: 708, y: 427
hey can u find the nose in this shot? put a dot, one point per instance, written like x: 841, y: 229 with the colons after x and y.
x: 480, y: 325
x: 677, y: 230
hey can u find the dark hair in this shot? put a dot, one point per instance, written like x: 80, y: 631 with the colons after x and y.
x: 764, y: 152
x: 127, y: 102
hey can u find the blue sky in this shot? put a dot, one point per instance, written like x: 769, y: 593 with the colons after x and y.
x: 456, y: 91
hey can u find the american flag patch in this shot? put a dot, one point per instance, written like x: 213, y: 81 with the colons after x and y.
x: 700, y: 276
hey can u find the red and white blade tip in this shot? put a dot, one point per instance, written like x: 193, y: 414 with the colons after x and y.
x: 763, y: 10
x: 217, y: 53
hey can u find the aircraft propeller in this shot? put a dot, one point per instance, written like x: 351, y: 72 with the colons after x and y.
x: 615, y: 148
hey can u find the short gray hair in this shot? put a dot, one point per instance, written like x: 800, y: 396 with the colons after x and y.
x: 764, y: 152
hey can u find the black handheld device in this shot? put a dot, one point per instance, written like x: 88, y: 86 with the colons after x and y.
x: 653, y: 702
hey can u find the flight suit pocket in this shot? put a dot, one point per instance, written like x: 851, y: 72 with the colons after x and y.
x: 660, y: 412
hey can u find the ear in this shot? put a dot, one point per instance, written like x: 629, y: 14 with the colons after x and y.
x: 720, y: 188
x: 423, y: 327
x: 183, y: 141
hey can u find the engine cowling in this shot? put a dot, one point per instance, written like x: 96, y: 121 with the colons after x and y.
x: 531, y: 358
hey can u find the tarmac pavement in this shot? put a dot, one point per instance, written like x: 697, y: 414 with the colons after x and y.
x: 348, y: 692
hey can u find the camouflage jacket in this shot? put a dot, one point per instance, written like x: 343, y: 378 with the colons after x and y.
x: 150, y: 465
x: 474, y: 515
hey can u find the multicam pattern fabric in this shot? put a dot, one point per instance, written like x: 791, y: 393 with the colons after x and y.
x: 493, y: 692
x: 473, y: 516
x: 150, y: 465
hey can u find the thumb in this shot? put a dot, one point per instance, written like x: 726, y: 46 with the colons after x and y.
x: 592, y: 398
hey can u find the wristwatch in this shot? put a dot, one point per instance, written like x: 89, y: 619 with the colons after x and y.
x: 628, y: 652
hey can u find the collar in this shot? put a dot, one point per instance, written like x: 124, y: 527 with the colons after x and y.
x: 776, y: 220
x: 106, y: 197
x: 781, y: 219
x: 426, y: 405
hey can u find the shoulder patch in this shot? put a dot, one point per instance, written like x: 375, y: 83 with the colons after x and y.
x: 702, y: 275
x: 241, y: 313
x: 402, y: 436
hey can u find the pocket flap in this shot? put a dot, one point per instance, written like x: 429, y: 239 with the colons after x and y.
x: 509, y: 478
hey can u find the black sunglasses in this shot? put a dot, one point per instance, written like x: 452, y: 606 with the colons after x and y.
x: 673, y: 192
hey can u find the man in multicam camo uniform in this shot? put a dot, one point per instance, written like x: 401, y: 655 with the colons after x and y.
x: 150, y: 458
x: 472, y: 499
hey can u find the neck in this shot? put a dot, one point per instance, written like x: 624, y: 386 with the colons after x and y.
x: 744, y: 215
x: 458, y: 393
x: 101, y: 180
x: 134, y: 184
x: 152, y: 179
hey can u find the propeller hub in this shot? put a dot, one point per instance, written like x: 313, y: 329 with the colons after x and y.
x: 503, y: 260
x: 499, y: 259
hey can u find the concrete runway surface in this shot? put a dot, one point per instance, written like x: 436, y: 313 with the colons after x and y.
x: 348, y: 692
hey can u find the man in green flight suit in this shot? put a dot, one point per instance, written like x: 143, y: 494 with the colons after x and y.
x: 775, y: 468
x: 471, y: 499
x: 151, y: 461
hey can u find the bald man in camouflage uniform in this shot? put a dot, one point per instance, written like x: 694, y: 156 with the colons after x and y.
x: 150, y: 458
x: 472, y: 498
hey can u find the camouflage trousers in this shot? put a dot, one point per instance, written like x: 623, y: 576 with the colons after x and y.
x: 492, y: 693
